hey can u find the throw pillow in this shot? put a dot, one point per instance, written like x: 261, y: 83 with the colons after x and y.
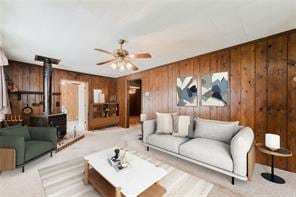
x: 164, y: 123
x: 182, y: 126
x: 216, y: 130
x: 16, y: 131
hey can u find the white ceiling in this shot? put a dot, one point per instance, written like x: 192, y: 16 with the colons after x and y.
x: 169, y: 30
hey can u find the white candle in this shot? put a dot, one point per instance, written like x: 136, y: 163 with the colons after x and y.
x: 272, y: 141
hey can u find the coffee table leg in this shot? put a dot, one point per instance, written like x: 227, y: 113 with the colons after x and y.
x: 271, y: 176
x: 117, y: 192
x: 86, y: 172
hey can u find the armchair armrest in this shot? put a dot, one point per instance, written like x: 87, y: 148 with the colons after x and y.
x: 240, y: 145
x: 16, y: 142
x: 149, y: 127
x: 44, y: 133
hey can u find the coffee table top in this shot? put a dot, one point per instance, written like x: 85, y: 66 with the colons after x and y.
x: 133, y: 180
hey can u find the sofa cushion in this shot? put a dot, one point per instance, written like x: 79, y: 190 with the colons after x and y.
x: 35, y: 148
x: 216, y: 130
x: 16, y: 130
x: 167, y: 142
x: 183, y: 126
x: 212, y: 152
x: 164, y: 123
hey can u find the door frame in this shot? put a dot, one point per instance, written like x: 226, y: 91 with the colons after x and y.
x: 127, y: 115
x: 86, y: 110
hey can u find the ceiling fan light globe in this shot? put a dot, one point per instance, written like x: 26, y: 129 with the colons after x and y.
x: 113, y: 66
x: 129, y: 66
x: 122, y: 68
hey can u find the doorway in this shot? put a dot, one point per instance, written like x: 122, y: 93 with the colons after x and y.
x: 134, y: 101
x: 74, y: 103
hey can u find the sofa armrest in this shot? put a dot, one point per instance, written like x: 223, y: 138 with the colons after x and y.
x: 44, y: 133
x: 240, y: 145
x: 16, y: 142
x: 149, y: 127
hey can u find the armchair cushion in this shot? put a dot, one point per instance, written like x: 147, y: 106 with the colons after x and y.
x: 21, y: 131
x: 16, y: 142
x: 35, y: 148
x: 167, y: 142
x: 239, y: 147
x: 44, y: 133
x: 213, y: 152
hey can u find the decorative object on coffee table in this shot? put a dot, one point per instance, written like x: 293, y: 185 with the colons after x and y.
x: 280, y: 153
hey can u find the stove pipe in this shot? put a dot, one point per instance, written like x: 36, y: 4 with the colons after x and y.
x: 47, y: 82
x: 47, y: 86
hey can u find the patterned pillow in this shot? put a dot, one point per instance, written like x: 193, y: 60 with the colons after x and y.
x: 164, y: 123
x: 183, y: 126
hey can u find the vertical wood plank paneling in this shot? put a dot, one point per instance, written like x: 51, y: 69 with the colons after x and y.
x: 248, y: 85
x: 235, y: 85
x: 204, y: 111
x: 16, y: 75
x: 122, y: 100
x: 174, y: 73
x: 170, y: 88
x: 29, y: 77
x: 163, y: 89
x: 261, y: 90
x: 214, y: 68
x: 196, y: 73
x: 224, y: 66
x: 277, y: 91
x: 145, y: 99
x: 291, y: 136
x: 156, y: 89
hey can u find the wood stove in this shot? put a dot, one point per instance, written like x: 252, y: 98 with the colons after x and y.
x: 48, y: 119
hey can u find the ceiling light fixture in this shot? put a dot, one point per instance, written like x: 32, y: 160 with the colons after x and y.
x: 121, y: 59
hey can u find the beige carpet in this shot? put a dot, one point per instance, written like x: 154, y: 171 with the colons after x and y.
x: 66, y: 179
x: 28, y: 184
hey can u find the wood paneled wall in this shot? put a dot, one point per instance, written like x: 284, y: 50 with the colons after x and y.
x: 70, y: 100
x: 29, y: 77
x: 262, y: 90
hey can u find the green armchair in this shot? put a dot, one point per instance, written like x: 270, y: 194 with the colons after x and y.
x: 29, y: 142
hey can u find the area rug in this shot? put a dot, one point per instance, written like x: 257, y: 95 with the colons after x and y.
x: 66, y: 179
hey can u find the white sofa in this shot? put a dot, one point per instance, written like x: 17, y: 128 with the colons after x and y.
x: 235, y: 158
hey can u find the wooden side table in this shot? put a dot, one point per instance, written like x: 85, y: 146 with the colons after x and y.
x: 7, y: 159
x: 280, y: 153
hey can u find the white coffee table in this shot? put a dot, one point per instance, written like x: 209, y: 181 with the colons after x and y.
x: 140, y: 178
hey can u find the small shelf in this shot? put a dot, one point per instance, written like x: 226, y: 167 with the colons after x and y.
x: 19, y: 93
x: 104, y: 115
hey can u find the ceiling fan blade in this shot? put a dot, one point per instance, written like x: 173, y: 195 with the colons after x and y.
x: 132, y: 67
x: 104, y: 51
x: 105, y: 62
x: 140, y: 55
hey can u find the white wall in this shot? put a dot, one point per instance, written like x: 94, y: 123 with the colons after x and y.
x: 82, y: 105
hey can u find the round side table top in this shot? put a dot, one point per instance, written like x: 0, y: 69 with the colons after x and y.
x: 282, y: 152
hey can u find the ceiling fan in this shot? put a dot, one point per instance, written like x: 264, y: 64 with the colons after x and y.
x: 121, y: 58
